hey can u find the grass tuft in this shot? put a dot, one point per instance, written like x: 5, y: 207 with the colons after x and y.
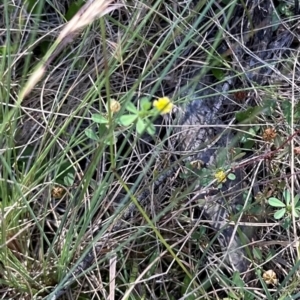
x: 78, y: 81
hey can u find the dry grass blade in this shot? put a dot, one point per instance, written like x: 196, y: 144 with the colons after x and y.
x: 85, y: 16
x: 112, y: 275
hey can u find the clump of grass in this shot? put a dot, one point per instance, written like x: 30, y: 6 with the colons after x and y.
x: 63, y: 172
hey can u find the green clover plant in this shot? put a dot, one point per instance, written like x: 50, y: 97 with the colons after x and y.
x: 285, y: 207
x: 208, y: 173
x: 140, y: 117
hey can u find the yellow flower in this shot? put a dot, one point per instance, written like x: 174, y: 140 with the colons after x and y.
x: 163, y: 105
x: 220, y: 176
x: 115, y: 106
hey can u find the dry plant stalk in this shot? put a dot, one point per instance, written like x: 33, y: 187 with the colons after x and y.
x: 92, y: 10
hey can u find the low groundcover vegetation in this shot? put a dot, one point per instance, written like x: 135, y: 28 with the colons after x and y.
x: 88, y: 90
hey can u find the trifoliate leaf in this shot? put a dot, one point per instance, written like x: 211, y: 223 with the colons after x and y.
x: 145, y: 104
x: 151, y: 129
x: 127, y: 120
x: 287, y: 197
x: 131, y: 107
x: 91, y: 134
x: 97, y: 118
x: 69, y: 179
x: 279, y: 213
x: 231, y: 176
x: 275, y: 202
x: 140, y: 126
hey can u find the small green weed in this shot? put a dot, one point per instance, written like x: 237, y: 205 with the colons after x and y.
x: 142, y: 117
x: 286, y: 208
x: 208, y: 173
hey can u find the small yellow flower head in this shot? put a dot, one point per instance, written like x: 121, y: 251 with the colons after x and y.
x: 163, y: 105
x: 115, y: 106
x: 220, y: 176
